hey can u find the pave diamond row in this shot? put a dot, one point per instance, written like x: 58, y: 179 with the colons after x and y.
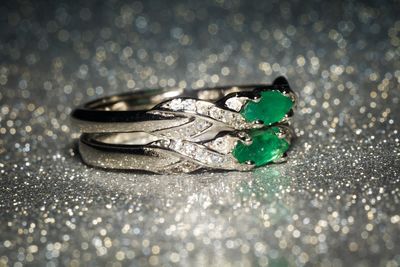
x: 204, y: 108
x: 224, y: 144
x: 200, y: 153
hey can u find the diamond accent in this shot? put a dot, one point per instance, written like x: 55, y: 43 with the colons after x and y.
x: 197, y: 152
x: 201, y: 155
x: 180, y: 104
x: 224, y: 144
x: 175, y: 104
x: 203, y: 108
x: 189, y: 105
x: 235, y: 103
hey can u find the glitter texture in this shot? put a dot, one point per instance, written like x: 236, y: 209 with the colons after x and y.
x: 335, y: 202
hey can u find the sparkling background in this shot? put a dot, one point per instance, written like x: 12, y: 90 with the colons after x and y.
x: 336, y: 202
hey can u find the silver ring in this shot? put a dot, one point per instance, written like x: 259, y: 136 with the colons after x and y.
x: 177, y: 130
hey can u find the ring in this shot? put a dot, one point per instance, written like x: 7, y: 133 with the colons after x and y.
x: 177, y: 130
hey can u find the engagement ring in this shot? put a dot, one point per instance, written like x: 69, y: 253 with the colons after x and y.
x: 178, y: 130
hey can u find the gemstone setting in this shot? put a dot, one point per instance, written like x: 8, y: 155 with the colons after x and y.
x: 270, y: 108
x: 266, y: 146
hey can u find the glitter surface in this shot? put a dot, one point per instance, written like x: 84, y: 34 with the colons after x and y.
x: 336, y: 202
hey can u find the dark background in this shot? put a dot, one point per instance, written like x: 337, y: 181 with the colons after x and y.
x: 334, y: 203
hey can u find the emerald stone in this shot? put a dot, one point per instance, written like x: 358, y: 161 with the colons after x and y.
x: 270, y: 108
x: 266, y: 146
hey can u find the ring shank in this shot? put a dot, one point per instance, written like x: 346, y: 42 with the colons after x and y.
x: 146, y: 99
x: 129, y: 111
x: 137, y: 158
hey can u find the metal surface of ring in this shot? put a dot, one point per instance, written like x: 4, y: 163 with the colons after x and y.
x: 177, y: 130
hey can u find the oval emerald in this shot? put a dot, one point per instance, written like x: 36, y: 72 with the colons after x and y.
x: 266, y: 146
x: 270, y: 108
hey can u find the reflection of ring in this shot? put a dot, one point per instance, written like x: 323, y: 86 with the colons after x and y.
x: 230, y: 128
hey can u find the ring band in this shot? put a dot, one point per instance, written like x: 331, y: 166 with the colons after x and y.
x: 176, y: 130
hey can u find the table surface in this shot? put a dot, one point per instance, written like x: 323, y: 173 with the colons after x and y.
x: 335, y: 202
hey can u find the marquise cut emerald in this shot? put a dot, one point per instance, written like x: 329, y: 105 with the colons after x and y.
x: 266, y: 146
x: 270, y: 108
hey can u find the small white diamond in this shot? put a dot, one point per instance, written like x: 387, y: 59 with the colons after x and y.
x: 216, y: 113
x: 189, y: 104
x: 202, y: 107
x: 176, y: 104
x: 213, y: 158
x: 220, y: 145
x: 176, y: 145
x: 217, y: 159
x: 165, y: 142
x: 188, y: 149
x: 235, y: 103
x: 238, y: 122
x: 228, y: 117
x: 199, y: 154
x: 223, y: 144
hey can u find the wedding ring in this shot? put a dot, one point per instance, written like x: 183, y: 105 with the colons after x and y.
x: 177, y: 130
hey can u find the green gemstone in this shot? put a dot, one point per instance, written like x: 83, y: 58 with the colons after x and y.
x: 271, y: 107
x: 266, y: 146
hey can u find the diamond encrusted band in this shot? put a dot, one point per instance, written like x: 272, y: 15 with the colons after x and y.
x: 176, y: 130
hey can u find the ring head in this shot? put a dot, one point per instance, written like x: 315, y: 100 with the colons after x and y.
x: 271, y: 107
x: 266, y: 146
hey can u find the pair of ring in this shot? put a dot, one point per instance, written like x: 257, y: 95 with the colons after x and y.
x: 178, y: 130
